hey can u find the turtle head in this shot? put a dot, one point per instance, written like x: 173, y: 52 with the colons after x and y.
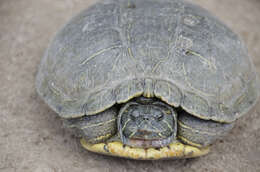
x: 145, y: 122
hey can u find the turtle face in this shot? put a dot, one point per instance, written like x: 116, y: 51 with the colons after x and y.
x: 147, y: 124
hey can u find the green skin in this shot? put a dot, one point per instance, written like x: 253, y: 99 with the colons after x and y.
x: 148, y: 122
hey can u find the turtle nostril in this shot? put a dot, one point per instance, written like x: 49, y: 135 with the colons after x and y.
x: 146, y: 118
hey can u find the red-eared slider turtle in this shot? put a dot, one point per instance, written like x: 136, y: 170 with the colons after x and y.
x: 148, y: 79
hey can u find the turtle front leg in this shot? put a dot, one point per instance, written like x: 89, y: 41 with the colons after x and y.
x: 198, y: 132
x: 95, y: 128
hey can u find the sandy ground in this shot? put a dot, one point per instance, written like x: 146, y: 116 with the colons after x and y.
x: 32, y: 138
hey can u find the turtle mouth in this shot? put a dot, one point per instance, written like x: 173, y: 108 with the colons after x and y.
x: 146, y: 142
x: 143, y: 143
x: 174, y: 150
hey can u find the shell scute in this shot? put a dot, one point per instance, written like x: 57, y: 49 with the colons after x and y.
x: 128, y: 89
x: 195, y: 105
x: 99, y: 101
x: 168, y: 92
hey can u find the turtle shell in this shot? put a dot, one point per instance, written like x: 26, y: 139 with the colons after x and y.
x: 169, y: 49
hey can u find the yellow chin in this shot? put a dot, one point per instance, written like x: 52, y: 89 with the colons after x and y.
x: 173, y: 150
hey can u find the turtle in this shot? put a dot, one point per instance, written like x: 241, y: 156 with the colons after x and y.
x: 148, y: 79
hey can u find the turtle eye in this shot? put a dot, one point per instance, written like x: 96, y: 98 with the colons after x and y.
x: 158, y: 115
x: 135, y: 114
